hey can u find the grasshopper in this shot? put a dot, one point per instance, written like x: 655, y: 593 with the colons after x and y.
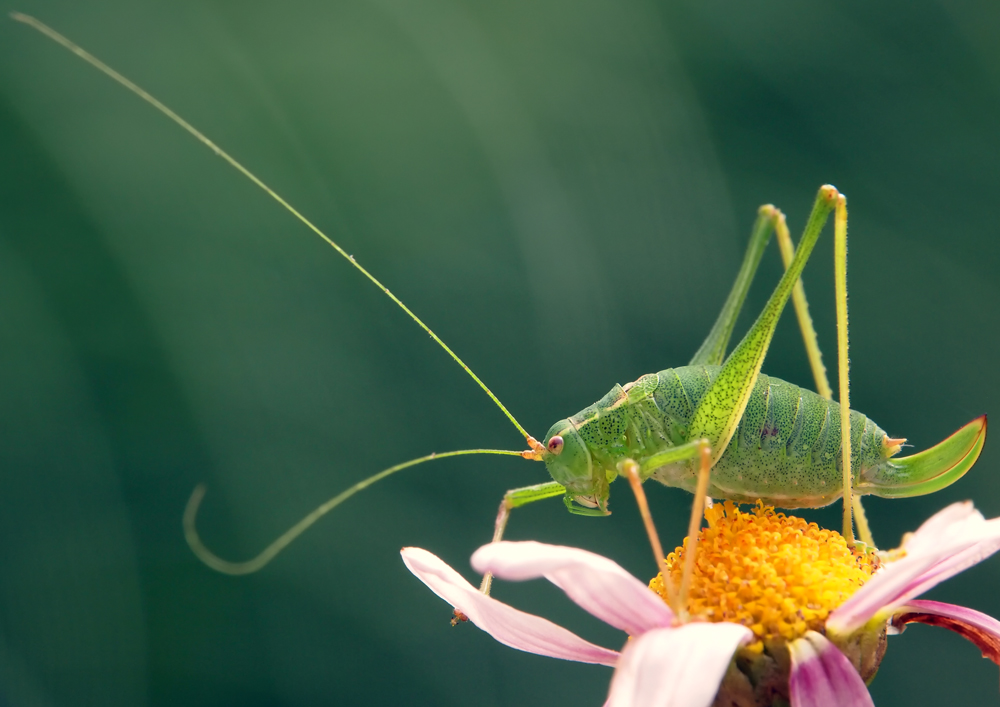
x: 717, y: 427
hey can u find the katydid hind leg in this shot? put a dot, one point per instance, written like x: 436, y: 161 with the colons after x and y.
x: 720, y: 409
x: 811, y: 344
x: 801, y: 304
x: 843, y: 363
x: 713, y: 350
x: 922, y: 473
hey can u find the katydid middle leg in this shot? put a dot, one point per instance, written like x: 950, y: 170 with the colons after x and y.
x: 633, y: 471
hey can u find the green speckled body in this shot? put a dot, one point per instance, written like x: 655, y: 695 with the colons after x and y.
x: 786, y: 450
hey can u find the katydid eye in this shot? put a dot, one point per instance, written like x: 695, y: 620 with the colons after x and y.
x: 556, y: 444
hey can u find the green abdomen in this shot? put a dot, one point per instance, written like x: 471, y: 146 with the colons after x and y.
x: 786, y: 450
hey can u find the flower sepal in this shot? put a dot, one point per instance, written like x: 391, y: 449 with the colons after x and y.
x: 864, y: 648
x: 760, y: 673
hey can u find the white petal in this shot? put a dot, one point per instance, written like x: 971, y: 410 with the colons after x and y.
x: 675, y: 667
x: 822, y: 676
x: 596, y: 583
x: 948, y: 543
x: 506, y: 624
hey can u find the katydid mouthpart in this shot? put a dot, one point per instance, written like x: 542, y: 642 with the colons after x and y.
x: 767, y: 439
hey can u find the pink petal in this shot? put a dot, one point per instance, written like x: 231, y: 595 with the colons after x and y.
x: 945, y: 521
x: 956, y: 563
x: 596, y: 583
x: 948, y: 543
x: 975, y: 626
x: 822, y: 676
x: 506, y: 624
x: 675, y: 667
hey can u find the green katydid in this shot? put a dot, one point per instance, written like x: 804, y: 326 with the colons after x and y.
x: 766, y: 439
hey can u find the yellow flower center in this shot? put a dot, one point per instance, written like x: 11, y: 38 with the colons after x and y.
x: 777, y: 575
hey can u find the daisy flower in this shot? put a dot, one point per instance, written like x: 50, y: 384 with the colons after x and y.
x: 777, y: 609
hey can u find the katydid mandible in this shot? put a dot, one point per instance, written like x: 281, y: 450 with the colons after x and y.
x: 766, y: 439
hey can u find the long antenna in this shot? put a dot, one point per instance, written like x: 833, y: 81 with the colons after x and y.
x: 141, y: 93
x: 272, y: 550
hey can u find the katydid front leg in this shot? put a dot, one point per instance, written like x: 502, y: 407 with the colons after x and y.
x: 514, y: 499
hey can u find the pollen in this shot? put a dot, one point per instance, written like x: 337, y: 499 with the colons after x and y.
x: 777, y: 575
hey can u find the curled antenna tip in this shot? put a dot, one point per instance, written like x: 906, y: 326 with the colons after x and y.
x: 307, y: 521
x: 191, y: 510
x: 206, y: 555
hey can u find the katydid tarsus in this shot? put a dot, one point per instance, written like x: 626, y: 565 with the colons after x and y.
x: 762, y: 438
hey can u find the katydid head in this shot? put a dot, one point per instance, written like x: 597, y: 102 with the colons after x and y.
x: 570, y: 463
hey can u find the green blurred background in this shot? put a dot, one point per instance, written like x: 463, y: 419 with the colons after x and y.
x: 563, y: 190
